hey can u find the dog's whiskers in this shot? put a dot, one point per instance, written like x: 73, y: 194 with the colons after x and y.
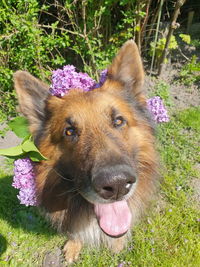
x: 60, y: 175
x: 73, y: 190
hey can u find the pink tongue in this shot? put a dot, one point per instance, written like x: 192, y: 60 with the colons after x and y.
x: 114, y: 218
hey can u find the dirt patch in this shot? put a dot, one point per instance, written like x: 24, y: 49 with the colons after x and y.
x: 196, y: 185
x: 184, y: 97
x: 181, y: 95
x: 53, y: 259
x: 9, y: 140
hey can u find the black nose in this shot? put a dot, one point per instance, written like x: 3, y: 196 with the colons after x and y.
x: 114, y: 182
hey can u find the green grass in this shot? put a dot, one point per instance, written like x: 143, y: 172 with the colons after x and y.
x: 168, y: 236
x: 24, y: 235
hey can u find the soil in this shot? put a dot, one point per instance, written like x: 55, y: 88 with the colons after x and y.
x: 182, y: 96
x: 196, y: 186
x: 9, y: 140
x: 53, y: 259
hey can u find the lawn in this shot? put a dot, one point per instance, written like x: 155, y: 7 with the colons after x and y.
x: 168, y: 236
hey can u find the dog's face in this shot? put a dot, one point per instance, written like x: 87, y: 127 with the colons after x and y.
x: 94, y: 141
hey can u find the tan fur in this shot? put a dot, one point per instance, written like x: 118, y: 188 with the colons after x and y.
x: 72, y: 250
x: 67, y: 210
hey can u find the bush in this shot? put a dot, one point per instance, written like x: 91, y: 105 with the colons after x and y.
x: 39, y: 36
x: 190, y: 73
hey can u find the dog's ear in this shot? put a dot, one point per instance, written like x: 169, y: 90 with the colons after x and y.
x: 32, y: 94
x: 127, y: 69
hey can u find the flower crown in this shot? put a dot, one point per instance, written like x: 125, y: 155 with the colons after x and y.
x: 63, y: 80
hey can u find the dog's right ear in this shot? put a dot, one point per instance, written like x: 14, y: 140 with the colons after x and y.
x: 32, y: 94
x: 127, y: 69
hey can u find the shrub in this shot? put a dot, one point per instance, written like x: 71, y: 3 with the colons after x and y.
x: 190, y: 73
x: 39, y: 36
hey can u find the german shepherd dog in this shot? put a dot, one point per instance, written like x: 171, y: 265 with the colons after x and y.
x: 102, y: 165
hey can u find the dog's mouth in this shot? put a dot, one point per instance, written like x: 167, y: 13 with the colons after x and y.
x: 114, y: 218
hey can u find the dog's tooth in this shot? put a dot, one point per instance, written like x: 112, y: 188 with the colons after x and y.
x: 128, y: 186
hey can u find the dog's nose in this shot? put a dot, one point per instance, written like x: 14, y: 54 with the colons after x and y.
x: 114, y: 183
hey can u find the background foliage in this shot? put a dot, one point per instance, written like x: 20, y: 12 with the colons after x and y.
x: 42, y: 35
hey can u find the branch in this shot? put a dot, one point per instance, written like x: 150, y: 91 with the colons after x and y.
x: 173, y: 26
x: 61, y: 29
x: 84, y: 3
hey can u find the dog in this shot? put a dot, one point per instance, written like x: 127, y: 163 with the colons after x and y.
x: 102, y: 167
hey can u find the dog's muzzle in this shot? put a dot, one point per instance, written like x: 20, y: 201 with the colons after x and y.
x: 113, y: 183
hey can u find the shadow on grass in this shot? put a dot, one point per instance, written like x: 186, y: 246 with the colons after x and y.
x: 20, y: 216
x: 3, y: 244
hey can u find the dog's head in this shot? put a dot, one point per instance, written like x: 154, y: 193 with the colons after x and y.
x: 98, y: 143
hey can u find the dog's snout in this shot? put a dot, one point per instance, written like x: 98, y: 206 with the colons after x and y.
x: 114, y: 183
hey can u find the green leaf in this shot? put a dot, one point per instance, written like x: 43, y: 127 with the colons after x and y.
x: 28, y: 137
x: 35, y: 156
x: 29, y: 147
x: 19, y: 126
x: 185, y: 38
x: 26, y: 148
x: 12, y: 151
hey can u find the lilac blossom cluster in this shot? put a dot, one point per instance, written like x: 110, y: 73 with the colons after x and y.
x: 154, y: 104
x: 63, y: 81
x: 157, y: 109
x: 67, y: 78
x: 103, y: 77
x: 24, y: 180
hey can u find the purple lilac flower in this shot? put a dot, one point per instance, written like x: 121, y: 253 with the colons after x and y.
x: 24, y: 180
x: 103, y: 78
x: 67, y: 78
x: 158, y: 110
x: 155, y: 104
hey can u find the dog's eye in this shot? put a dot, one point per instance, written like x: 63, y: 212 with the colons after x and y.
x: 70, y: 131
x: 119, y: 121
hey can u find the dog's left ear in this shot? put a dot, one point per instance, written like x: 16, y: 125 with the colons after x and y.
x: 127, y: 69
x: 31, y: 94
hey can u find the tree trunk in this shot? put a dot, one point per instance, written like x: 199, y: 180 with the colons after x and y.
x: 172, y: 27
x: 144, y: 25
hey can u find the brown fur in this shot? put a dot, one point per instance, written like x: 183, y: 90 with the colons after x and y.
x: 98, y: 143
